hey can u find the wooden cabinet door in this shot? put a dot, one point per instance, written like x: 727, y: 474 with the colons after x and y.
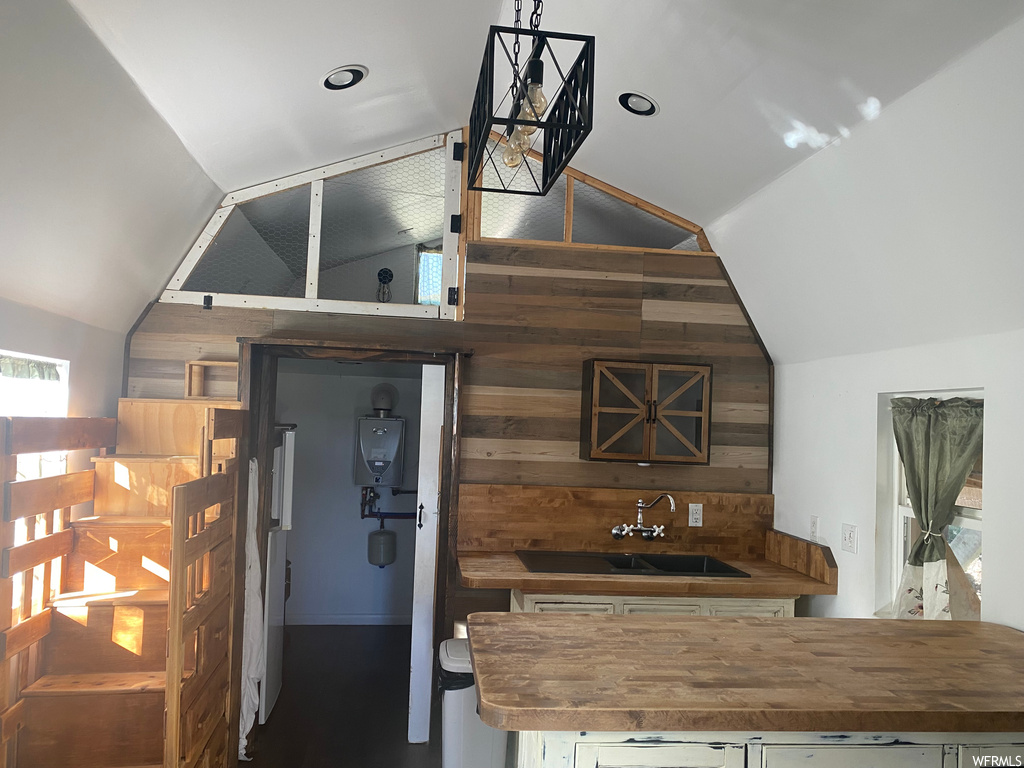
x: 681, y: 397
x: 660, y: 756
x: 619, y: 411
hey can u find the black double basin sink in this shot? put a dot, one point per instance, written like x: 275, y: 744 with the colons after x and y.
x: 628, y: 564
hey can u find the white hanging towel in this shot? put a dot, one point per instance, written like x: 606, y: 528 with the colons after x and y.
x: 253, y: 660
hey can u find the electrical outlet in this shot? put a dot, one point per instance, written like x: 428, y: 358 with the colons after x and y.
x: 696, y: 515
x: 814, y: 527
x: 849, y: 538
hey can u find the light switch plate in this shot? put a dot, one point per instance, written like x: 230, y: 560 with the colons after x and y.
x: 814, y: 527
x: 696, y: 515
x: 849, y: 538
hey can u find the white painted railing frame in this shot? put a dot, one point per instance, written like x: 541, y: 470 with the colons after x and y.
x: 310, y: 302
x: 450, y: 240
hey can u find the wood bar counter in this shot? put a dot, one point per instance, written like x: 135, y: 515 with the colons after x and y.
x: 559, y: 672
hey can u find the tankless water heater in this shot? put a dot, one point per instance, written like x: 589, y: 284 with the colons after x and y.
x: 380, y: 448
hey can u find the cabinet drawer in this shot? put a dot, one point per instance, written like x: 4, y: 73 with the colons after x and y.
x: 1004, y: 754
x: 740, y: 607
x: 660, y: 756
x: 664, y: 609
x: 561, y: 607
x: 852, y: 757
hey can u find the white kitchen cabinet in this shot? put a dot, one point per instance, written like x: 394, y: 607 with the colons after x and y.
x: 866, y: 756
x: 996, y: 754
x: 660, y: 756
x: 738, y: 607
x: 681, y: 608
x: 568, y: 606
x: 664, y: 606
x: 736, y: 749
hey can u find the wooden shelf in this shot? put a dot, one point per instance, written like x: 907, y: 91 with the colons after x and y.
x: 197, y: 382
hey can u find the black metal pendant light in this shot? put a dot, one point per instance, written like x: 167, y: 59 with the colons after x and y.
x: 512, y: 117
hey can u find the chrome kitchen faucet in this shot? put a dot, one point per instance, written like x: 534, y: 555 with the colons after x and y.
x: 647, y: 532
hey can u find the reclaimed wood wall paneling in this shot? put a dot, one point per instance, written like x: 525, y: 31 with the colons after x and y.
x: 504, y: 518
x: 533, y: 314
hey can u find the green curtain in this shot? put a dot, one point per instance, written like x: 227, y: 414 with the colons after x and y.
x: 25, y: 368
x: 939, y: 442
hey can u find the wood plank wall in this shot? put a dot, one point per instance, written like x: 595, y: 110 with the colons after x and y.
x: 504, y: 518
x: 533, y: 313
x: 538, y: 313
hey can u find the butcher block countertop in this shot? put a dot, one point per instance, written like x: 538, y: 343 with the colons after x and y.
x: 503, y: 570
x: 579, y: 672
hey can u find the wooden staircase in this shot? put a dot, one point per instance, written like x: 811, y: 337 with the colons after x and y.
x: 93, y: 686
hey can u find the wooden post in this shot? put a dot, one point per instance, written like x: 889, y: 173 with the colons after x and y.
x: 569, y: 182
x: 8, y: 473
x: 175, y: 611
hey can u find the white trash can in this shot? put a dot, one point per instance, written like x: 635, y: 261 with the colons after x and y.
x: 465, y: 741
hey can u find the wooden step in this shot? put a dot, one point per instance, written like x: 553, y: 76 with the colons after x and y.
x: 93, y: 721
x: 120, y: 632
x: 163, y: 427
x: 128, y: 597
x: 117, y: 553
x: 96, y: 683
x: 140, y: 485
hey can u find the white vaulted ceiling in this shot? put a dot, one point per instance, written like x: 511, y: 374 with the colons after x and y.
x: 747, y: 88
x: 240, y: 81
x: 119, y: 134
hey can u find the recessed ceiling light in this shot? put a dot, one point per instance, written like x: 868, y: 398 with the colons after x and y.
x: 345, y: 77
x: 638, y: 104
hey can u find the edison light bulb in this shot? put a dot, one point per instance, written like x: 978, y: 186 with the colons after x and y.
x: 533, y: 107
x: 515, y: 148
x: 511, y: 156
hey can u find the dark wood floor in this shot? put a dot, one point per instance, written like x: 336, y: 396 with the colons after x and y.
x: 345, y: 702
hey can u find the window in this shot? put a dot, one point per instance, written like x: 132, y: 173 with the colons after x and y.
x: 428, y: 275
x: 896, y: 529
x: 34, y: 386
x: 964, y: 534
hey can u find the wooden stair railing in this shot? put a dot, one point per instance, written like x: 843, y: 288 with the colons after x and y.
x: 41, y: 509
x: 201, y: 605
x: 84, y: 675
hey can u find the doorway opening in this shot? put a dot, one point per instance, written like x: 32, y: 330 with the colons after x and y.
x: 357, y: 668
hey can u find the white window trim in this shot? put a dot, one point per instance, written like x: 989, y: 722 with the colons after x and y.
x: 450, y: 277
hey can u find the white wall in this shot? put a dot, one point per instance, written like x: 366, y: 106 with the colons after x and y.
x: 826, y: 444
x: 100, y: 200
x: 96, y: 355
x: 905, y: 237
x: 332, y: 581
x: 909, y: 232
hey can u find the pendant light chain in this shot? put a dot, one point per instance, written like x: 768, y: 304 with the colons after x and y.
x: 514, y: 87
x: 538, y: 9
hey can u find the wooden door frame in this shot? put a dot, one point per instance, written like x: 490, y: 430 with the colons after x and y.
x: 257, y: 390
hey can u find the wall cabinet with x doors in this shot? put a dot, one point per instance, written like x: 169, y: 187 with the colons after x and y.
x: 656, y: 412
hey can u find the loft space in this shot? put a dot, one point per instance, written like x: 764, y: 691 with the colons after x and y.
x: 368, y: 234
